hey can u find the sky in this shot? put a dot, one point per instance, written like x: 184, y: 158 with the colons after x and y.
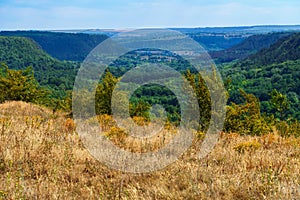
x: 120, y: 14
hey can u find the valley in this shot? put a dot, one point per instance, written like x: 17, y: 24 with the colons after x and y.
x: 257, y: 154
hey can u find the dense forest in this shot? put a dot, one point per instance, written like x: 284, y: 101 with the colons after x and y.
x: 19, y: 53
x: 263, y: 88
x: 273, y: 68
x: 63, y: 46
x: 249, y: 46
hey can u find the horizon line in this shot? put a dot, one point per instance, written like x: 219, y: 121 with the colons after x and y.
x: 175, y: 27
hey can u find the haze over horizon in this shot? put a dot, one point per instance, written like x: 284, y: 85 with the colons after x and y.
x: 120, y: 14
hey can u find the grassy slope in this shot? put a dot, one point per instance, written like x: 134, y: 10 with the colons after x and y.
x: 41, y: 157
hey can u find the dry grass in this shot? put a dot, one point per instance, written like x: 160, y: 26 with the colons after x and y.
x: 41, y: 157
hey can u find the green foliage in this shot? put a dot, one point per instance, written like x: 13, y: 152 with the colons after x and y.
x: 104, y: 93
x: 245, y: 118
x: 287, y: 48
x: 275, y: 84
x: 19, y: 53
x: 63, y: 46
x: 140, y: 109
x: 84, y: 97
x: 288, y: 128
x: 20, y: 85
x: 151, y: 94
x: 247, y: 47
x: 277, y: 68
x: 203, y: 96
x: 279, y: 102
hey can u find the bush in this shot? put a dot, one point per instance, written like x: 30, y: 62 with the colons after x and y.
x: 20, y: 85
x: 247, y: 146
x: 245, y: 118
x: 288, y: 128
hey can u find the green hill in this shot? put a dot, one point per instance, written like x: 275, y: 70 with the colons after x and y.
x: 276, y: 67
x: 19, y: 53
x: 249, y: 46
x: 287, y: 48
x: 63, y: 46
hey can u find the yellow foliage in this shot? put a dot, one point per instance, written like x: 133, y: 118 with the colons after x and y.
x: 116, y: 133
x: 247, y: 146
x: 106, y: 121
x: 295, y: 142
x: 141, y: 121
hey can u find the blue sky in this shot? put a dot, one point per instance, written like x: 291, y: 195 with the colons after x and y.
x: 83, y: 14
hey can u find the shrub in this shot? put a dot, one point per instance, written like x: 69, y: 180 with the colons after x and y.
x: 116, y: 133
x: 247, y: 146
x: 246, y: 118
x: 288, y: 128
x: 20, y: 85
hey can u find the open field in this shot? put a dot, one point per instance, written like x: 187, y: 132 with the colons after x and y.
x: 42, y: 157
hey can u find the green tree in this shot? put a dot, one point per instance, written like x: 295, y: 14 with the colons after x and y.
x: 279, y: 102
x: 246, y: 118
x: 20, y: 85
x: 104, y: 93
x: 141, y: 109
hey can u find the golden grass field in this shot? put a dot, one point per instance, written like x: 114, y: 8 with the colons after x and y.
x: 42, y: 157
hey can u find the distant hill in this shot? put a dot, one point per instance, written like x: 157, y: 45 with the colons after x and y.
x: 247, y: 47
x: 241, y: 29
x: 215, y: 42
x: 235, y: 39
x: 63, y: 46
x: 276, y: 67
x: 287, y: 48
x: 74, y: 45
x: 261, y: 29
x: 20, y: 52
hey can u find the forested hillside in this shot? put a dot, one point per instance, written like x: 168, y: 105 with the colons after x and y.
x: 63, y: 46
x: 20, y: 53
x: 288, y: 48
x: 216, y: 42
x: 249, y: 46
x: 276, y: 67
x: 254, y: 75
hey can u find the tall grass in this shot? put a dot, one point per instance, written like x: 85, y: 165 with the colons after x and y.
x: 42, y: 157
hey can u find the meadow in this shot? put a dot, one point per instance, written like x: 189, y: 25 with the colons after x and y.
x: 42, y: 157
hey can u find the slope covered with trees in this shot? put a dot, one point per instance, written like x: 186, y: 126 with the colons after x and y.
x: 249, y: 46
x: 63, y: 46
x: 250, y: 86
x: 19, y: 53
x: 287, y: 48
x: 273, y: 68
